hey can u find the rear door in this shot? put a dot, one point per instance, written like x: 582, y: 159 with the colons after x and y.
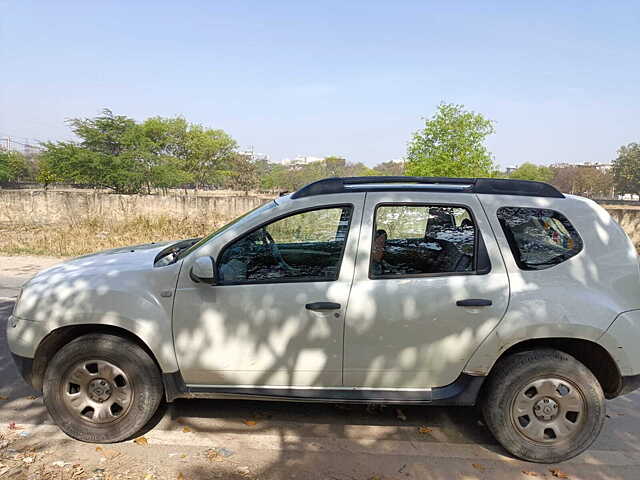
x: 430, y: 285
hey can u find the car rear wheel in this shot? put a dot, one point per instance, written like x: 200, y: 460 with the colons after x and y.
x: 543, y: 406
x: 102, y: 388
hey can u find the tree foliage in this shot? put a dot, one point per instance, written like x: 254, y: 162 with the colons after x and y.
x: 451, y: 144
x: 626, y: 169
x: 116, y: 152
x: 583, y: 180
x: 529, y: 171
x: 14, y: 167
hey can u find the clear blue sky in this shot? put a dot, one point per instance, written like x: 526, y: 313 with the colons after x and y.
x: 561, y: 79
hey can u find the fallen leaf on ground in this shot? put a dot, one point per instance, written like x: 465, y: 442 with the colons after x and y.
x: 400, y: 414
x: 186, y: 430
x: 2, y: 397
x: 213, y: 455
x: 531, y: 474
x: 32, y: 397
x: 184, y: 455
x: 250, y: 423
x: 424, y: 430
x: 141, y: 441
x: 98, y: 449
x: 478, y: 466
x: 558, y: 473
x: 180, y: 476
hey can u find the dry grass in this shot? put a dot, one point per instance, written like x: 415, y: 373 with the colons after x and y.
x: 87, y: 235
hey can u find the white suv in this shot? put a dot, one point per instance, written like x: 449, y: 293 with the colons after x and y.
x: 408, y: 290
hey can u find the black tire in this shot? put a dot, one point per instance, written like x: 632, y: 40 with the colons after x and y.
x: 135, y: 382
x: 510, y: 382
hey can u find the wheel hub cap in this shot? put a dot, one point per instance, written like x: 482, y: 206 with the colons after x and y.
x: 549, y: 410
x: 97, y: 391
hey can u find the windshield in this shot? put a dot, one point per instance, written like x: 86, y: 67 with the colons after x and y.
x: 242, y: 218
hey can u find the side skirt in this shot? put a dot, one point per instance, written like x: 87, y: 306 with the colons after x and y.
x: 464, y: 391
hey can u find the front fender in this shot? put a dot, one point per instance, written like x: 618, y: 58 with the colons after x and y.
x: 137, y: 300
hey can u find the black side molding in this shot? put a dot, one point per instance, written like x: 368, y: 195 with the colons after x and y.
x: 464, y: 391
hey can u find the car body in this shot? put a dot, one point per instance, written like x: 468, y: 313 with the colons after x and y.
x: 364, y: 289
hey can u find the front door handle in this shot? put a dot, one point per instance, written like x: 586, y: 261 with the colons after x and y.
x: 474, y: 302
x: 322, y: 306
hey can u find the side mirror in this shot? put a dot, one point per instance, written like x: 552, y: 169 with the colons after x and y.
x: 203, y: 270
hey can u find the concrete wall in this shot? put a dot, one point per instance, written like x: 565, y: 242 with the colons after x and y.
x: 629, y: 219
x: 40, y: 207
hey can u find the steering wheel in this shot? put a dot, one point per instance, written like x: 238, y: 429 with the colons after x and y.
x: 275, y: 252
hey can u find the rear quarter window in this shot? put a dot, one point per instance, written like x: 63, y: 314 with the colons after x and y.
x: 539, y: 238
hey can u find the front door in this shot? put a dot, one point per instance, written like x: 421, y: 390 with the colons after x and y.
x: 276, y: 315
x: 430, y: 285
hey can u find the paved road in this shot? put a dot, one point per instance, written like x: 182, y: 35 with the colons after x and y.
x: 279, y: 440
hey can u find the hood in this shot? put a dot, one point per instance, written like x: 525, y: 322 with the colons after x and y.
x: 124, y: 258
x: 88, y: 286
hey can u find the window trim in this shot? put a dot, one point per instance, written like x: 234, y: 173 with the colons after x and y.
x: 351, y: 206
x: 513, y: 246
x: 476, y: 242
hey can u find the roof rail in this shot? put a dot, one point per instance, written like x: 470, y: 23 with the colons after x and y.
x: 495, y: 186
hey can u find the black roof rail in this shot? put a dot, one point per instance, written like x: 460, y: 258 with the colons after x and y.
x: 495, y: 186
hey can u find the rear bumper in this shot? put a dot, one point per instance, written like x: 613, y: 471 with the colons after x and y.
x: 629, y: 384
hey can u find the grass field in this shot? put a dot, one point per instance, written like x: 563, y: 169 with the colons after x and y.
x: 87, y: 235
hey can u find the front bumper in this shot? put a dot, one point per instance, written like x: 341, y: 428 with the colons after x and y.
x: 24, y: 366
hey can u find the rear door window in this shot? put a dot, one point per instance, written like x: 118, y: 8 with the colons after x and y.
x: 539, y: 238
x: 412, y: 240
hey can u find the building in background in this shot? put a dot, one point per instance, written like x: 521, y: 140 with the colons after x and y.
x: 300, y: 160
x: 254, y: 156
x: 604, y: 167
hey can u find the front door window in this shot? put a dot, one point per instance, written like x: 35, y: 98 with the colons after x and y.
x: 306, y: 246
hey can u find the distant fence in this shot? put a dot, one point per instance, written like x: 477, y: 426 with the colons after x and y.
x: 50, y: 207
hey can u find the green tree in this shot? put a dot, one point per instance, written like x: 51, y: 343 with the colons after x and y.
x: 451, y: 144
x: 626, y: 169
x: 116, y: 152
x: 210, y: 153
x: 334, y: 166
x: 529, y: 171
x: 14, y: 167
x: 244, y: 175
x: 390, y: 168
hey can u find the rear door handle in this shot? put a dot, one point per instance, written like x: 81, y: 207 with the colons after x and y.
x: 474, y: 302
x: 322, y: 306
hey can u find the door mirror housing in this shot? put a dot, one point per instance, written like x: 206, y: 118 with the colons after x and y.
x: 203, y: 270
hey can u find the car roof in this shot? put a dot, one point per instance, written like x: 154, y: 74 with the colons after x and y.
x: 493, y: 186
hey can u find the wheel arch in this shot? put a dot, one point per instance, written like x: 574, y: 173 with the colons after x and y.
x: 594, y: 356
x: 61, y: 336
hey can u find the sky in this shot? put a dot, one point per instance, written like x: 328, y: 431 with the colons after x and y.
x: 561, y: 80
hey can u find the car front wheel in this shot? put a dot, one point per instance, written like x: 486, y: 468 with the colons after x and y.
x: 102, y: 388
x: 543, y: 406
